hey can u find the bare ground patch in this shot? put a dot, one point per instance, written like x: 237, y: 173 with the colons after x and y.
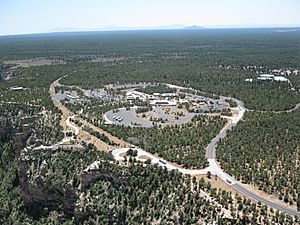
x: 270, y: 197
x: 143, y: 157
x: 35, y: 62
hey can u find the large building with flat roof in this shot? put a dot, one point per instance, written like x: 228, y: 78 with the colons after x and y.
x: 163, y: 103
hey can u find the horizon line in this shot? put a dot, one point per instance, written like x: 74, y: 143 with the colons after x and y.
x: 158, y: 28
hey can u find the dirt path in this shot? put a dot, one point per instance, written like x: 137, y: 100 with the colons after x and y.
x: 265, y: 198
x: 84, y: 135
x: 112, y: 138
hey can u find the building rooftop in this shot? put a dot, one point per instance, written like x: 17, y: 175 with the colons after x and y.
x: 267, y: 75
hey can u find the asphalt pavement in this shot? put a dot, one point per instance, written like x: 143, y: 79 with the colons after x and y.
x: 239, y: 188
x: 214, y: 167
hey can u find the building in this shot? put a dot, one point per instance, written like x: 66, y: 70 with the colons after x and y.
x: 264, y: 78
x: 183, y: 101
x: 267, y: 75
x: 163, y: 103
x: 69, y: 96
x: 16, y: 88
x: 169, y: 95
x: 280, y: 78
x: 135, y: 95
x: 272, y: 77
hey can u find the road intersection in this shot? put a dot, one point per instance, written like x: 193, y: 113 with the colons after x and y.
x: 214, y: 168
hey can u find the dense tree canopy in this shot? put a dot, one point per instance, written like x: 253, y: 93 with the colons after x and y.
x: 262, y: 150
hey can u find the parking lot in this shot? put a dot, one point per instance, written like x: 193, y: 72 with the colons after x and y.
x: 131, y: 119
x: 170, y: 114
x: 72, y: 96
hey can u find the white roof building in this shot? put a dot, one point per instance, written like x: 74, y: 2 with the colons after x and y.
x: 163, y: 103
x: 17, y: 88
x: 132, y: 95
x: 265, y: 78
x: 166, y: 95
x: 267, y: 75
x: 280, y: 78
x: 272, y: 77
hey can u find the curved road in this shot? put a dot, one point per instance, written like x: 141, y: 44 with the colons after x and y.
x: 297, y: 106
x: 214, y: 168
x: 211, y: 154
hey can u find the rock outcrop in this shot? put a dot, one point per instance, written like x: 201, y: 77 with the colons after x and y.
x: 21, y: 138
x: 95, y: 172
x: 38, y: 192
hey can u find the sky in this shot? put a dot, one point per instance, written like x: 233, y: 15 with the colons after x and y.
x: 38, y: 16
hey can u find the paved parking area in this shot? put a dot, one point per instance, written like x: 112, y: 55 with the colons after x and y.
x: 162, y: 112
x: 131, y: 119
x: 61, y: 96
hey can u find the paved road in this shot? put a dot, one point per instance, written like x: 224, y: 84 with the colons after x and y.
x: 297, y: 106
x: 239, y: 188
x: 211, y: 155
x: 214, y: 167
x: 157, y: 160
x: 211, y: 148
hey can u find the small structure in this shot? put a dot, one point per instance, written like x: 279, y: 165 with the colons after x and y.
x: 280, y: 78
x: 17, y: 88
x: 69, y: 96
x: 169, y: 95
x: 272, y: 77
x: 134, y: 95
x: 266, y: 77
x: 183, y: 101
x: 163, y: 103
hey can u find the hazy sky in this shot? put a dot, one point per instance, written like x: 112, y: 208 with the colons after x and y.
x: 32, y: 16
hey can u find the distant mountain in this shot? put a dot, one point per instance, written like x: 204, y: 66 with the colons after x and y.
x: 194, y: 27
x: 252, y: 25
x: 278, y: 28
x: 118, y: 28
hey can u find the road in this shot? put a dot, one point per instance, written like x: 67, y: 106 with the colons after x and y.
x: 213, y: 167
x: 216, y: 169
x: 78, y: 132
x: 244, y: 191
x: 211, y: 148
x: 297, y: 106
